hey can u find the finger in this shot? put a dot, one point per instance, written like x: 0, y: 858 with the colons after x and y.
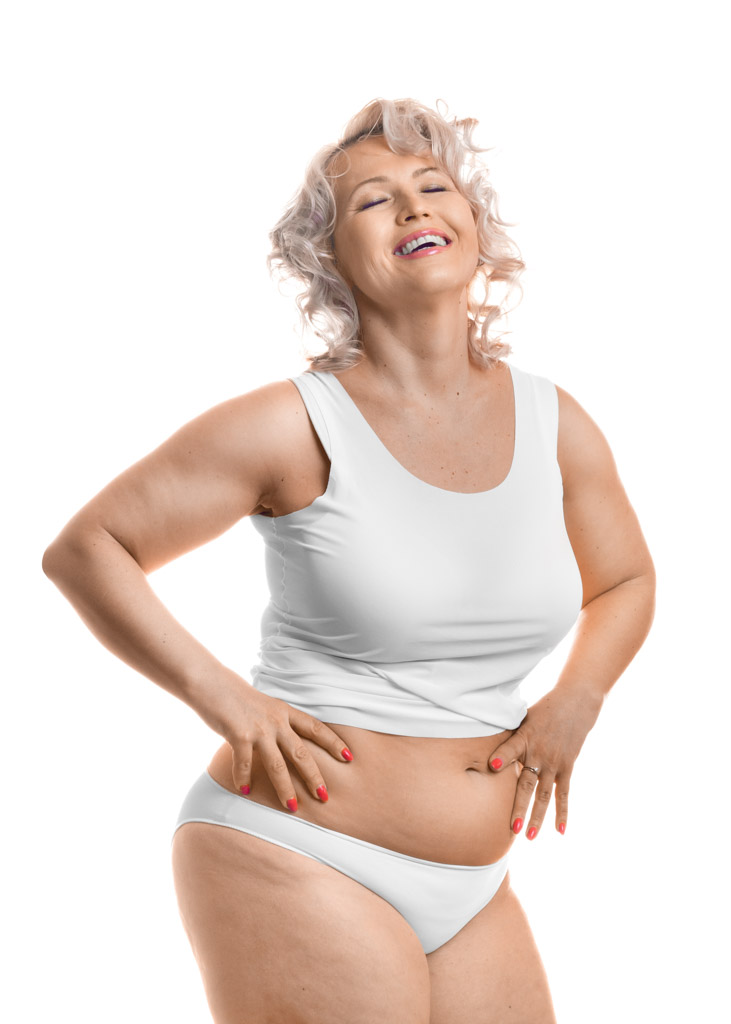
x: 275, y: 766
x: 242, y: 756
x: 323, y: 735
x: 523, y: 793
x: 304, y: 762
x: 562, y: 803
x: 543, y: 794
x: 513, y: 749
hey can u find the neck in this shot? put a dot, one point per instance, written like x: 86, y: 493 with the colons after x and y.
x: 419, y: 352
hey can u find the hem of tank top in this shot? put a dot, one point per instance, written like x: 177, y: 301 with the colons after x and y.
x: 276, y: 683
x: 461, y: 720
x: 494, y: 731
x: 263, y: 649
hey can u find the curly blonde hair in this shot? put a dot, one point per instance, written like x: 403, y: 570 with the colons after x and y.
x: 302, y: 247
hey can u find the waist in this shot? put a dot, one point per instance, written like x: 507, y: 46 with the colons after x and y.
x: 428, y: 797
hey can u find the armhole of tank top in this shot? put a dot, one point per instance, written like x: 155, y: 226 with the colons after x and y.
x: 314, y: 411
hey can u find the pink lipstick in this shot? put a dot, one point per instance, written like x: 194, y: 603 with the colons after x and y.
x: 426, y: 242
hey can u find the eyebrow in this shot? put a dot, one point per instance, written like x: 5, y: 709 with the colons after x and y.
x: 419, y: 171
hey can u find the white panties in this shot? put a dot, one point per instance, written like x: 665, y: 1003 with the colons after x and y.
x: 436, y: 899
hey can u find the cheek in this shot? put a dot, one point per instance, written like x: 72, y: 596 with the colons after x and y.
x: 366, y: 269
x: 472, y: 248
x: 349, y: 253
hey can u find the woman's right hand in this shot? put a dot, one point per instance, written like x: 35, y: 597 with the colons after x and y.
x: 255, y: 721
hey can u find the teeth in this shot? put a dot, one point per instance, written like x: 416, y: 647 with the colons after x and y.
x: 416, y: 242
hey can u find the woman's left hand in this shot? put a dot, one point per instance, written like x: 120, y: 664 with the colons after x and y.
x: 549, y: 739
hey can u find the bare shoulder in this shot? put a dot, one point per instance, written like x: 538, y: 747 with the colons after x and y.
x: 260, y: 424
x: 601, y: 524
x: 245, y: 441
x: 215, y: 470
x: 583, y: 450
x: 255, y: 440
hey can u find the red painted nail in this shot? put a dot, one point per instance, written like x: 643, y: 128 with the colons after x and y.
x: 245, y: 789
x: 322, y: 793
x: 517, y: 825
x: 562, y: 827
x: 292, y: 804
x: 496, y: 763
x: 346, y: 754
x: 532, y: 832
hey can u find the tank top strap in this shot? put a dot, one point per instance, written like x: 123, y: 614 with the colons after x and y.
x: 346, y: 435
x: 352, y: 444
x: 318, y: 403
x: 536, y: 427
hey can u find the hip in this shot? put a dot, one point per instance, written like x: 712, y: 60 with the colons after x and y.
x: 431, y: 798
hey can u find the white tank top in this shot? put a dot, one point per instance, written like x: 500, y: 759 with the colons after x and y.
x: 401, y: 607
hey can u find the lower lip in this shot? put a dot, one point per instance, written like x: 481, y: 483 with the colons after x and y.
x: 424, y: 252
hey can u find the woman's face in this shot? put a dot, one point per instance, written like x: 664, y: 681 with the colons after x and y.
x: 411, y: 199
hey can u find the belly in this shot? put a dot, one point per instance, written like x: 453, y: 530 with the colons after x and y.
x: 425, y: 797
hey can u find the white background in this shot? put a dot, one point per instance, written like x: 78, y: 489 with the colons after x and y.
x: 149, y: 147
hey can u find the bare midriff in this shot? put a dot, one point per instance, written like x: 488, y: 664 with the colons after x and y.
x: 433, y: 798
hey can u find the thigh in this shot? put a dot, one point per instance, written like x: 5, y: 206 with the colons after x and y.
x: 490, y: 972
x: 280, y: 937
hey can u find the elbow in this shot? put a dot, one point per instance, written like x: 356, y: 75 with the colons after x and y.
x: 50, y: 561
x: 644, y: 582
x: 643, y: 589
x: 63, y: 554
x: 57, y: 559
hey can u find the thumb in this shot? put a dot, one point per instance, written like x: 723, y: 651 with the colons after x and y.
x: 512, y: 749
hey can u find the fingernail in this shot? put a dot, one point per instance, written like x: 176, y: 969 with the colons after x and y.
x: 346, y: 754
x: 496, y: 763
x: 292, y: 804
x: 532, y: 832
x: 562, y: 827
x: 322, y: 793
x: 245, y: 789
x: 517, y: 825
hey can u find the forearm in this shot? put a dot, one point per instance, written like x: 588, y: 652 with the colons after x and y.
x: 113, y: 597
x: 609, y: 632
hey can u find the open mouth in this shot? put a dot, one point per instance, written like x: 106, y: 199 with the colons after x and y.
x: 422, y: 242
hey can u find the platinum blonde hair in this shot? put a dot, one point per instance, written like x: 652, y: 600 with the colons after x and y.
x: 302, y: 246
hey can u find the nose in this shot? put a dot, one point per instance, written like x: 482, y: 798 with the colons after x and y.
x: 412, y: 207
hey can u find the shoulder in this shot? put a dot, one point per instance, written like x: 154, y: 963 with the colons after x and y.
x: 264, y: 415
x: 583, y: 450
x: 256, y: 436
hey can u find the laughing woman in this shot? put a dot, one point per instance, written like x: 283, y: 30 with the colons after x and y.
x: 435, y: 521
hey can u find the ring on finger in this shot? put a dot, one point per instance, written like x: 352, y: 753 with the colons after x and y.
x: 527, y: 768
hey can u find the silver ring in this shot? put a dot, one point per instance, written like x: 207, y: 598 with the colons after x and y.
x: 527, y: 768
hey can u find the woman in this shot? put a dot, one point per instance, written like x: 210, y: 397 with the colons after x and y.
x: 435, y: 521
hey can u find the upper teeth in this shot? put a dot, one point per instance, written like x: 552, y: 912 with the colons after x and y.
x: 415, y: 242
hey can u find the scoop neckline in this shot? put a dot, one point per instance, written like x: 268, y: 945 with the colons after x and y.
x: 433, y: 487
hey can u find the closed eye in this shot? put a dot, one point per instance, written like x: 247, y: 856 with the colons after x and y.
x: 376, y: 202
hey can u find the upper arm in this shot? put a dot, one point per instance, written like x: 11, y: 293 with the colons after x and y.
x: 601, y: 524
x: 212, y: 472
